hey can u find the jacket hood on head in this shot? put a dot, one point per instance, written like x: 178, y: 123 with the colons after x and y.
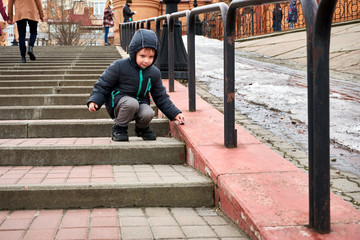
x: 143, y: 38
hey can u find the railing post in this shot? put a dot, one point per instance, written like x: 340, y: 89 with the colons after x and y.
x: 190, y: 21
x: 321, y: 114
x: 158, y: 32
x: 230, y: 133
x: 191, y: 25
x: 171, y: 47
x: 310, y: 9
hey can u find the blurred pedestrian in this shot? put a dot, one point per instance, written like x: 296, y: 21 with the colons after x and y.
x: 277, y: 17
x: 108, y: 21
x: 293, y: 15
x: 3, y: 14
x: 26, y: 12
x: 127, y: 13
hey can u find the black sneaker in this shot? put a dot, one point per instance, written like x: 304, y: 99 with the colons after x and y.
x: 119, y: 133
x: 31, y: 54
x: 145, y: 133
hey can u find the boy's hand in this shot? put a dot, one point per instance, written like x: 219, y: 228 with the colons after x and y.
x: 93, y: 106
x: 180, y: 118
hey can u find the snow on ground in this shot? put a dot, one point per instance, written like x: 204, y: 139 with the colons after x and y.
x: 274, y: 88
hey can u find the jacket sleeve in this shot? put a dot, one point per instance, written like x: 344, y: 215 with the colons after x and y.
x: 127, y: 11
x: 11, y: 10
x: 105, y: 84
x: 2, y: 11
x: 162, y: 99
x: 40, y: 8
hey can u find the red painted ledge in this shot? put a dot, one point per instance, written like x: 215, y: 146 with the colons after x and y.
x: 258, y: 189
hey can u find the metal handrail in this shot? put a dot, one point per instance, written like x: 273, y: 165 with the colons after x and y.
x: 318, y: 20
x: 171, y: 44
x: 321, y: 116
x: 223, y: 8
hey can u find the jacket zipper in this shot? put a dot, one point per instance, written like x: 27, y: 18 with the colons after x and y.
x: 140, y: 84
x: 148, y: 87
x: 113, y: 94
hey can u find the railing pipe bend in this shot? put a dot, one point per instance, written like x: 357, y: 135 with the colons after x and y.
x: 230, y: 133
x: 171, y: 45
x: 148, y: 23
x: 321, y: 135
x: 142, y: 22
x: 157, y: 24
x: 158, y: 32
x: 222, y: 7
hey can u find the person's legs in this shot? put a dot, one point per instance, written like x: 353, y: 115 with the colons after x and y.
x: 278, y: 26
x: 33, y: 32
x: 142, y: 120
x: 125, y: 111
x: 21, y: 25
x: 106, y: 35
x: 32, y: 39
x: 144, y: 116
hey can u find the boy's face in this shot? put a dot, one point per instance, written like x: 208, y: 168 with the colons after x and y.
x: 145, y: 57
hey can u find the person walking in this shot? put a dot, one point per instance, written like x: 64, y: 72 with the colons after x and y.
x: 108, y: 21
x: 26, y: 12
x: 127, y: 13
x: 3, y: 13
x: 277, y: 17
x: 293, y: 15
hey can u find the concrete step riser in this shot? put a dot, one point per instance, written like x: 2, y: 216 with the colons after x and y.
x: 70, y: 129
x: 121, y: 154
x: 37, y: 113
x: 45, y: 90
x: 49, y: 77
x: 53, y: 112
x: 17, y: 60
x: 43, y: 100
x: 63, y: 68
x: 50, y: 72
x: 55, y: 83
x: 98, y: 196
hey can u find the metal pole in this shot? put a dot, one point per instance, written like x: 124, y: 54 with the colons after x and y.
x: 191, y: 62
x: 321, y: 114
x: 171, y: 46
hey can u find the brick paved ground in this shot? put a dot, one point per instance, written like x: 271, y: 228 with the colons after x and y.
x: 122, y: 223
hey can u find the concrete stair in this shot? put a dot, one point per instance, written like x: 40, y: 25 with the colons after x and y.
x: 55, y: 154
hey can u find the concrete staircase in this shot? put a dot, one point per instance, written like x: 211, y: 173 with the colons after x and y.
x: 55, y: 154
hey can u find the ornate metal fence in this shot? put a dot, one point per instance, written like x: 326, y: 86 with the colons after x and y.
x: 257, y: 20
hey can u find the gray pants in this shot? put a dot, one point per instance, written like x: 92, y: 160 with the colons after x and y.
x: 128, y: 109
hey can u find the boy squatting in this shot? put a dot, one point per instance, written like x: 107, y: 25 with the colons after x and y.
x: 125, y: 85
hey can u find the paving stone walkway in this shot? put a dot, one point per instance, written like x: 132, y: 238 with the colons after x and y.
x: 121, y: 223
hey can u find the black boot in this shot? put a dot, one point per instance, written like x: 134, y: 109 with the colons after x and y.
x: 31, y: 54
x: 145, y: 133
x: 23, y: 59
x: 119, y: 133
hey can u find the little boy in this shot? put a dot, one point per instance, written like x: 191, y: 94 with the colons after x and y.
x: 125, y: 85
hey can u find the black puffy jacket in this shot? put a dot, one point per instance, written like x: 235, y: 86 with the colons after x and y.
x: 125, y: 78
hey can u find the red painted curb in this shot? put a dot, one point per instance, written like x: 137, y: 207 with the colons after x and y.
x: 258, y: 189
